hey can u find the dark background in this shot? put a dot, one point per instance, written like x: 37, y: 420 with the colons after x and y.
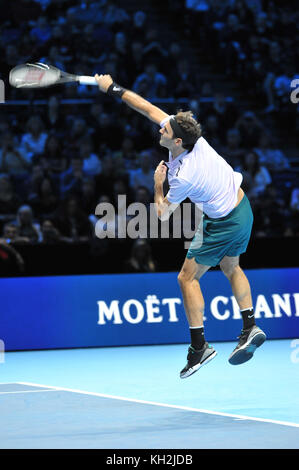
x: 67, y: 148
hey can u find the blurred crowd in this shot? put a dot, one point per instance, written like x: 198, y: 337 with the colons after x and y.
x: 254, y: 41
x: 60, y: 160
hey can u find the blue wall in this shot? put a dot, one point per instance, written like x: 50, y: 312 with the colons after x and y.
x: 132, y: 309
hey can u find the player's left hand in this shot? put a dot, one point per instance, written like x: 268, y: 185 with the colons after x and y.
x: 104, y: 82
x: 160, y: 173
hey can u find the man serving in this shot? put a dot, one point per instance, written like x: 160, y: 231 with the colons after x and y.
x: 196, y: 171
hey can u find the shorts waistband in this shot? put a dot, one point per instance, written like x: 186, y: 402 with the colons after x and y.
x: 243, y: 200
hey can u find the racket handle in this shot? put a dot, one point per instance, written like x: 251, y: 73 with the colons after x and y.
x: 86, y: 80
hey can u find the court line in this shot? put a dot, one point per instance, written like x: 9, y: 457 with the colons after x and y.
x: 27, y: 391
x: 165, y: 405
x: 9, y: 383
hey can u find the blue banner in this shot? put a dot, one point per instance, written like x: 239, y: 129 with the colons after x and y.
x: 136, y: 309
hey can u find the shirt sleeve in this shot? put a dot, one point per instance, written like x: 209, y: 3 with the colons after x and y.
x: 179, y: 190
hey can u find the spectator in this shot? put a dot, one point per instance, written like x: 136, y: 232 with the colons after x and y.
x: 243, y: 12
x: 143, y: 195
x: 71, y: 222
x: 141, y: 259
x: 206, y: 90
x: 115, y: 16
x: 212, y: 130
x: 173, y: 57
x: 71, y: 179
x: 262, y: 28
x: 294, y: 203
x: 105, y: 222
x: 250, y: 129
x: 54, y: 58
x: 9, y: 201
x: 112, y: 169
x: 53, y: 160
x: 233, y: 39
x: 233, y: 152
x: 41, y: 33
x: 151, y: 83
x: 121, y: 47
x: 89, y: 48
x: 54, y: 119
x: 138, y: 27
x: 11, y: 234
x: 91, y: 163
x: 58, y: 39
x: 184, y: 84
x: 153, y: 51
x: 109, y: 131
x: 12, y: 160
x: 31, y: 184
x: 255, y: 177
x: 49, y: 234
x: 95, y: 110
x: 103, y: 199
x: 88, y: 196
x: 271, y: 214
x: 135, y: 61
x: 33, y: 141
x: 120, y: 188
x: 274, y: 65
x: 273, y: 159
x: 225, y: 111
x: 76, y: 137
x: 85, y: 12
x: 121, y: 198
x: 197, y: 5
x: 127, y: 156
x: 117, y: 66
x: 26, y: 225
x: 144, y: 175
x: 46, y: 199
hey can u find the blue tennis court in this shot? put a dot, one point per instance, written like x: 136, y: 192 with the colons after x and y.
x: 132, y: 398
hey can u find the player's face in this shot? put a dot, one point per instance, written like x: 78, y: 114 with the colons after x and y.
x: 166, y: 138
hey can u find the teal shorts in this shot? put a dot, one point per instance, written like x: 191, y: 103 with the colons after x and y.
x: 226, y: 236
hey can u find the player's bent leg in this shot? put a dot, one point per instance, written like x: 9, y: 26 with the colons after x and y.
x: 252, y: 336
x: 230, y: 267
x: 193, y: 299
x: 188, y: 279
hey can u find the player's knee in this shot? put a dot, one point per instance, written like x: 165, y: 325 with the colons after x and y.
x: 229, y: 270
x: 183, y: 278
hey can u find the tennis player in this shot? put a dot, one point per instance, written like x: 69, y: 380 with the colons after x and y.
x: 196, y: 171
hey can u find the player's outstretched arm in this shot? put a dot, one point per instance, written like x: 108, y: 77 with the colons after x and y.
x: 136, y: 102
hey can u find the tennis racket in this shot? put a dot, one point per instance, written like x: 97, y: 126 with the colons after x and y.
x: 39, y: 75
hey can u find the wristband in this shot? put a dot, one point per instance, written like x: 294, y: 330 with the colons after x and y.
x: 115, y: 90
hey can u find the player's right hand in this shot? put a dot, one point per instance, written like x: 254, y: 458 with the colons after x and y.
x: 160, y: 173
x: 104, y: 82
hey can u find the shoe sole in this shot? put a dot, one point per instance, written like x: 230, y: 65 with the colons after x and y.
x: 198, y: 366
x: 245, y: 353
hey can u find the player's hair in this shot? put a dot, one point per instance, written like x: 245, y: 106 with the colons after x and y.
x: 190, y: 126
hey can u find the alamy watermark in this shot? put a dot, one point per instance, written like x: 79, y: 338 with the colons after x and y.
x: 295, y: 93
x: 295, y: 353
x: 138, y: 220
x: 2, y: 92
x: 2, y: 351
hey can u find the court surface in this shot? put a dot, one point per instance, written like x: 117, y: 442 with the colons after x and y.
x: 131, y: 398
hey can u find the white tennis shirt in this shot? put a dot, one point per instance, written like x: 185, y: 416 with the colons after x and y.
x: 205, y: 178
